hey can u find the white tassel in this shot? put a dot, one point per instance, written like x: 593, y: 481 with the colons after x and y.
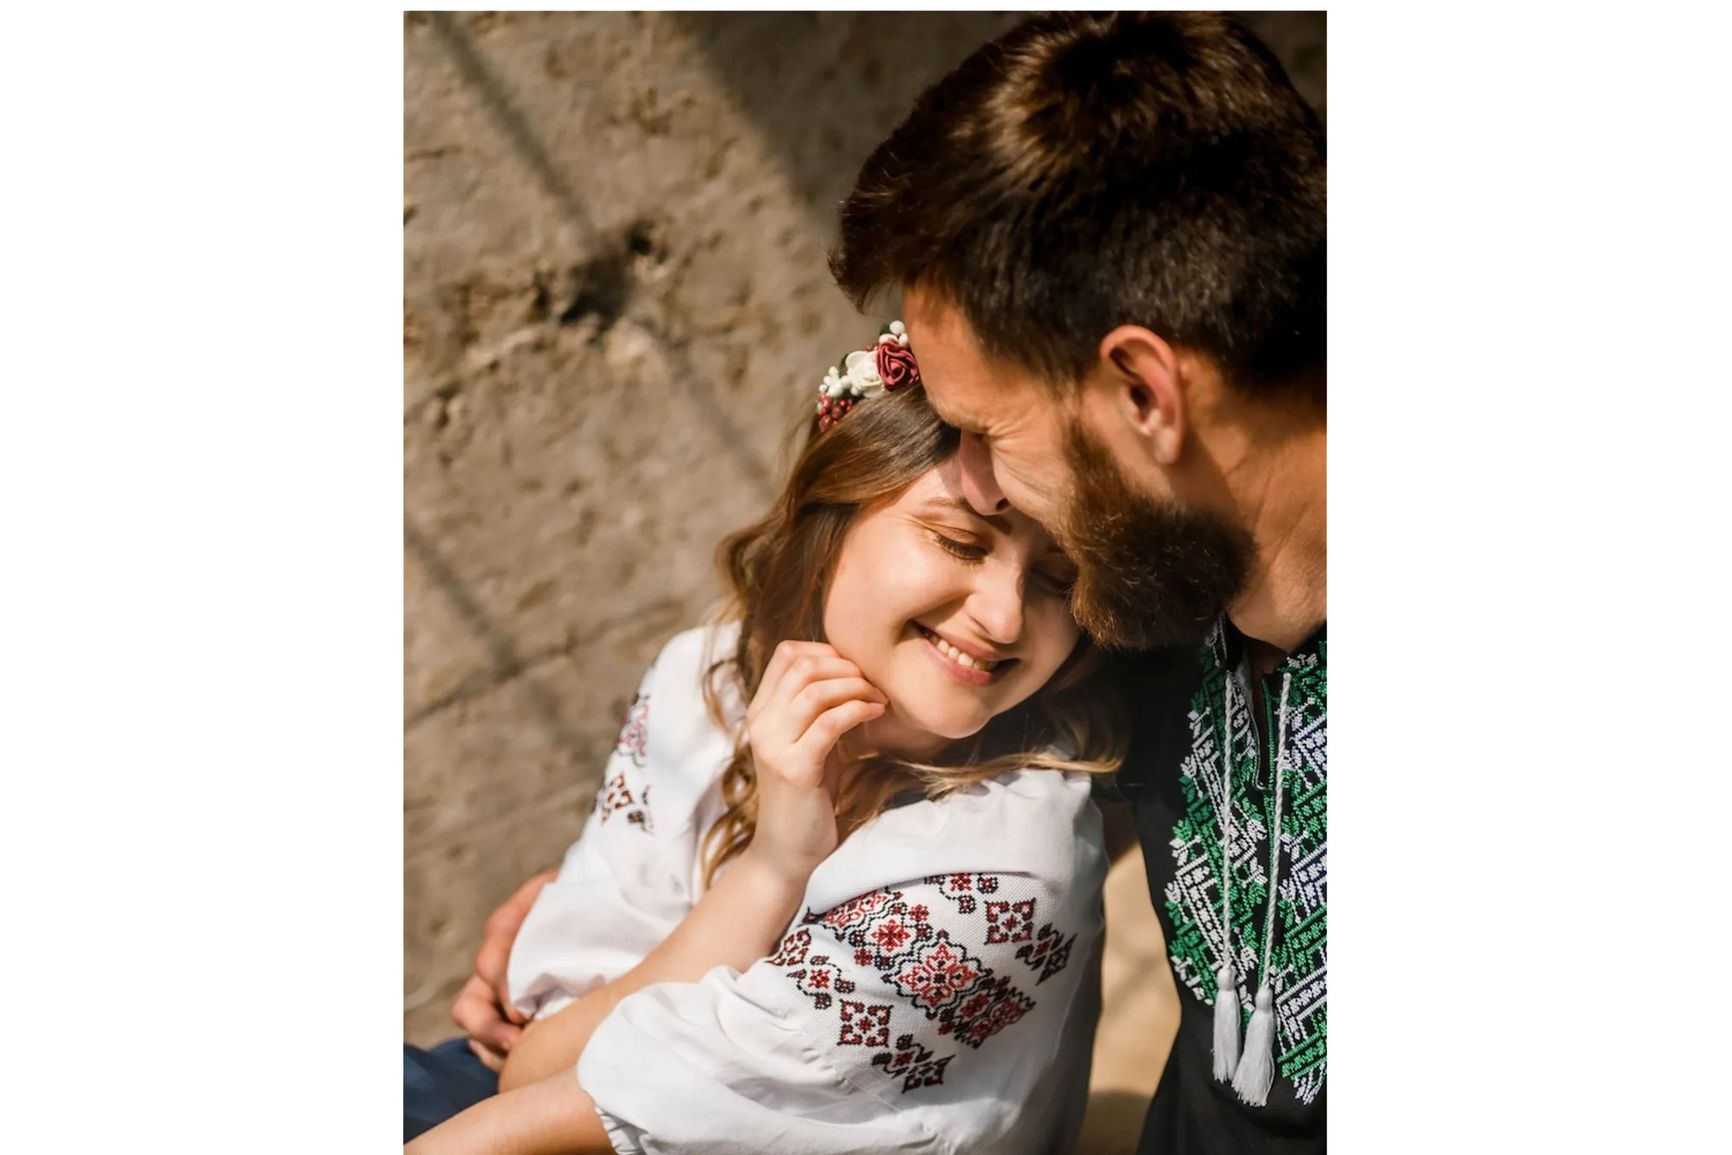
x: 1256, y: 1071
x: 1226, y: 1023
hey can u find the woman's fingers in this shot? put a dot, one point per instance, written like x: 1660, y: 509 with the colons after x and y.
x: 783, y: 726
x: 783, y: 657
x: 821, y: 737
x: 798, y: 671
x: 807, y: 705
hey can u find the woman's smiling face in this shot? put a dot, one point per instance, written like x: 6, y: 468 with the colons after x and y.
x: 955, y: 616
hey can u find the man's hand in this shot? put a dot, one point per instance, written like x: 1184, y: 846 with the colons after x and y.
x: 483, y: 1007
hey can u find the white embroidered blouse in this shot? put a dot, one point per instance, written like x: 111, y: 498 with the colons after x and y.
x: 937, y: 991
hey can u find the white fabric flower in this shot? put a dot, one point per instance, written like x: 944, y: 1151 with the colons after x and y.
x: 834, y: 386
x: 862, y: 372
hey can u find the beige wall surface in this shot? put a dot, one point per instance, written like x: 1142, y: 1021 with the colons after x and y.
x: 615, y: 308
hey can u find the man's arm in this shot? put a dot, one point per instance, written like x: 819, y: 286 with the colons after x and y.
x: 1118, y: 827
x: 483, y: 1007
x: 551, y: 1117
x: 737, y: 923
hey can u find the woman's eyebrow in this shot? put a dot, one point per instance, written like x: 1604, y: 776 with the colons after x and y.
x: 949, y: 504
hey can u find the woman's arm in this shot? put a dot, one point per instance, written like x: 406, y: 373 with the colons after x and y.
x: 808, y: 698
x: 551, y: 1117
x: 735, y: 924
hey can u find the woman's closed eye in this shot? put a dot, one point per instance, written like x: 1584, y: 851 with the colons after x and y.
x: 1057, y: 584
x: 961, y: 550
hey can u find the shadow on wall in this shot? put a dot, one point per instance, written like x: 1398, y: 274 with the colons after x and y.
x: 774, y: 61
x: 605, y: 282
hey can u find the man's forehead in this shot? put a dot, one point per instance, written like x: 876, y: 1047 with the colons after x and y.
x: 966, y: 388
x: 954, y: 383
x: 951, y: 412
x: 979, y: 402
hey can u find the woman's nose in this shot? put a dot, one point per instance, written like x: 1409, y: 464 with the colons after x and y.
x: 997, y: 602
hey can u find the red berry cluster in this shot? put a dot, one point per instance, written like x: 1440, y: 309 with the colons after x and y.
x: 832, y: 410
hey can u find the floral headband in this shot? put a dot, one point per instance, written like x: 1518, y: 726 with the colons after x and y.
x: 884, y: 368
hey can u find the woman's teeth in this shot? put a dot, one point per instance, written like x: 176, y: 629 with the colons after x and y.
x: 958, y: 656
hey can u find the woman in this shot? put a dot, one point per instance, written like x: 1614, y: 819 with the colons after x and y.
x: 841, y: 888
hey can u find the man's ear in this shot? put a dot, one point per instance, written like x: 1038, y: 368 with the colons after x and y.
x: 1140, y: 382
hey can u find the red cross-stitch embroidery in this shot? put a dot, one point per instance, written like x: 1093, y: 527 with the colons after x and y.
x: 890, y: 936
x: 855, y: 910
x: 1048, y: 953
x: 818, y: 979
x: 793, y: 950
x: 617, y: 795
x: 1008, y: 1005
x: 913, y: 1064
x: 961, y: 888
x: 634, y: 732
x: 931, y: 981
x: 617, y: 798
x: 923, y: 964
x: 1010, y: 921
x: 935, y: 974
x: 864, y: 1025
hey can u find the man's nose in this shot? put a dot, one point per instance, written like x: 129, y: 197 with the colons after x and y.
x: 979, y: 487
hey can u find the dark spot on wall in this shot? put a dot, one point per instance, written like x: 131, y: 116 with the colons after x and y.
x: 540, y: 299
x: 640, y: 240
x: 602, y: 291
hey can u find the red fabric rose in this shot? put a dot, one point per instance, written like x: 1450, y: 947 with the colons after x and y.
x: 896, y: 366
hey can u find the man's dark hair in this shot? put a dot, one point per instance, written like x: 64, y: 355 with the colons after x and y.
x: 1086, y: 171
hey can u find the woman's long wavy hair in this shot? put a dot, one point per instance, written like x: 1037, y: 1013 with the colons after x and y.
x: 778, y: 571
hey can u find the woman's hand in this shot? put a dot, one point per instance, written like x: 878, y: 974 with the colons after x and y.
x: 809, y: 697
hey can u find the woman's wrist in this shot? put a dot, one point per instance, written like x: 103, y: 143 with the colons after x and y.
x: 779, y: 885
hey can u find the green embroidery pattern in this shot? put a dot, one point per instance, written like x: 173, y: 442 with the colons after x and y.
x: 1299, y: 957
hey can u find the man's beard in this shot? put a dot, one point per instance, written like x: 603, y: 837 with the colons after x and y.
x: 1150, y: 573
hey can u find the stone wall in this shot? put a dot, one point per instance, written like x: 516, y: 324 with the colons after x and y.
x: 615, y: 310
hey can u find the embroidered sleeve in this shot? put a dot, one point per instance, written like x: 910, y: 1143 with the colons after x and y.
x: 934, y: 1007
x: 624, y: 795
x: 922, y: 976
x: 624, y: 884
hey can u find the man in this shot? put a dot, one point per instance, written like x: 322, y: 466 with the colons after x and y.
x: 1109, y: 234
